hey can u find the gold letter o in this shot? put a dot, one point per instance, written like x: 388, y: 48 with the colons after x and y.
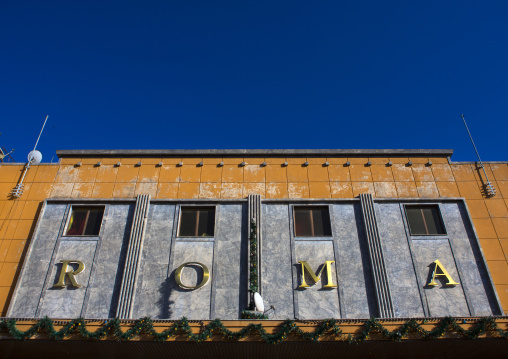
x: 178, y: 275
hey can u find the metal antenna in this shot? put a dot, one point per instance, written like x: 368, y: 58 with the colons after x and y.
x: 491, y: 192
x: 18, y: 190
x: 38, y: 138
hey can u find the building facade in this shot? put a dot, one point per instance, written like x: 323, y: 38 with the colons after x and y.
x: 344, y: 234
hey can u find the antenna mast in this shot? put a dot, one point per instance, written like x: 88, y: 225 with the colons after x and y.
x: 37, y: 142
x: 18, y: 190
x: 491, y: 192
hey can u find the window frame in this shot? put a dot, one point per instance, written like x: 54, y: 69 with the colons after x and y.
x: 196, y: 207
x: 310, y: 207
x: 69, y: 216
x: 421, y: 206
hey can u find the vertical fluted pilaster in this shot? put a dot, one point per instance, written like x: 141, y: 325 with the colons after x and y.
x: 382, y: 289
x: 136, y: 238
x: 254, y: 214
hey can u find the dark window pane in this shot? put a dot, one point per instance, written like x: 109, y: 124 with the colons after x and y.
x: 206, y: 222
x: 312, y: 222
x: 85, y: 221
x: 321, y: 220
x: 303, y: 225
x: 197, y: 222
x: 77, y: 222
x: 433, y: 220
x: 415, y: 219
x: 424, y: 220
x: 188, y: 222
x: 93, y: 225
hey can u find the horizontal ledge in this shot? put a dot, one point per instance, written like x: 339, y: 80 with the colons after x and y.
x: 258, y: 152
x: 308, y: 200
x: 133, y: 199
x: 267, y: 200
x: 238, y: 322
x: 418, y: 199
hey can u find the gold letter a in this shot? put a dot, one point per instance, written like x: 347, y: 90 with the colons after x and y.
x: 444, y: 273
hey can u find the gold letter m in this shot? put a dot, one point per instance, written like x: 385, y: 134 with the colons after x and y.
x: 317, y: 276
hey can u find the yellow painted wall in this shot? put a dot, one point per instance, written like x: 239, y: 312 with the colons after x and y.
x: 64, y: 180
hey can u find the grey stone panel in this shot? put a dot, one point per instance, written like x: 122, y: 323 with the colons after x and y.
x: 276, y: 271
x: 399, y: 265
x: 442, y: 300
x: 105, y: 286
x: 230, y: 283
x: 153, y: 270
x: 316, y: 302
x: 353, y: 269
x: 193, y: 304
x: 67, y: 302
x: 467, y: 254
x: 38, y: 258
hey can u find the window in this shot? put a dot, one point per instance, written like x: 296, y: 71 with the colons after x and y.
x: 424, y: 220
x: 85, y: 221
x: 312, y: 222
x: 197, y: 222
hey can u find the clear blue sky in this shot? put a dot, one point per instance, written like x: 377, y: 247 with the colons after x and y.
x: 254, y: 74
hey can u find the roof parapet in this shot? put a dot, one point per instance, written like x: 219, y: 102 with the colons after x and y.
x: 259, y: 153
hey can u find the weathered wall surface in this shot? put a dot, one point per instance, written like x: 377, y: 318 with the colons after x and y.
x: 66, y: 180
x: 399, y: 262
x: 150, y: 297
x: 156, y: 293
x: 408, y: 260
x: 102, y: 256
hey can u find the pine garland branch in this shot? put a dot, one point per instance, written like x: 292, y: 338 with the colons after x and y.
x: 247, y: 314
x: 253, y: 267
x: 144, y: 326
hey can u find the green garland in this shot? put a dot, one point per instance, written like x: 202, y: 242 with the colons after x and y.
x: 446, y: 324
x: 145, y: 326
x: 247, y: 314
x: 253, y: 270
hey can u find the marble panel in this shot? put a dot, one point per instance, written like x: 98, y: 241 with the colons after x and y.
x: 442, y: 300
x: 105, y: 284
x: 152, y: 274
x: 230, y: 277
x: 404, y: 291
x: 468, y: 255
x: 31, y: 282
x: 276, y: 266
x: 316, y: 302
x: 353, y: 267
x: 67, y: 302
x: 192, y: 304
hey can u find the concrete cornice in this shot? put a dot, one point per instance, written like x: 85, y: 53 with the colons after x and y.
x: 259, y: 153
